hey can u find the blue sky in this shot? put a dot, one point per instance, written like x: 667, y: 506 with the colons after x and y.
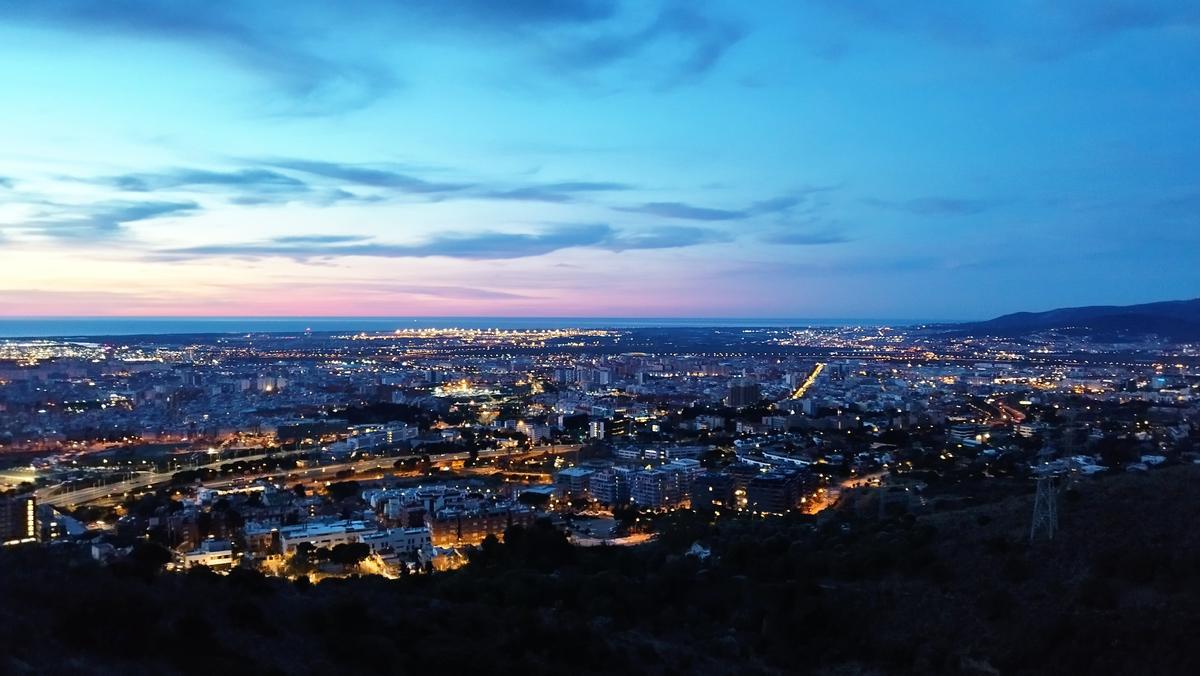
x: 597, y: 157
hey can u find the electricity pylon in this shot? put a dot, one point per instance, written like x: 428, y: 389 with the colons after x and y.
x: 1045, y: 508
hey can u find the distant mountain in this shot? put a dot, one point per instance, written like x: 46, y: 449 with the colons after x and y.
x: 1178, y: 320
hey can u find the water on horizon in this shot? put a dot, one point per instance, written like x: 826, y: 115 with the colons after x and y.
x: 71, y: 327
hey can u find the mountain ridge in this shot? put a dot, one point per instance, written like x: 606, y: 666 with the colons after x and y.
x: 1174, y: 319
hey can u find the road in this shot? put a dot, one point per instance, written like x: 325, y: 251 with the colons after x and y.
x: 54, y: 496
x: 808, y: 382
x: 825, y: 498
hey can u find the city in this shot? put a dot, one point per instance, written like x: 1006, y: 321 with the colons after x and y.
x: 832, y: 337
x: 407, y: 449
x: 402, y: 455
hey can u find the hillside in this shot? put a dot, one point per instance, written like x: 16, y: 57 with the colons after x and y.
x: 1178, y: 320
x: 949, y: 592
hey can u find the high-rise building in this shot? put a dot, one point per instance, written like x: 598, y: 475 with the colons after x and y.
x: 712, y: 490
x: 774, y: 493
x: 743, y: 394
x: 611, y: 485
x: 574, y: 481
x: 667, y: 486
x: 652, y: 488
x: 18, y: 519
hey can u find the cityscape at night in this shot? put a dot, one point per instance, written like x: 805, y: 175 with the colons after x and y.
x: 599, y: 336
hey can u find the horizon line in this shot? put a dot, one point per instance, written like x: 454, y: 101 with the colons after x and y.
x: 469, y: 316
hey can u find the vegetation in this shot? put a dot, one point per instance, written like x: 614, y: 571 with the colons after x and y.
x: 959, y: 591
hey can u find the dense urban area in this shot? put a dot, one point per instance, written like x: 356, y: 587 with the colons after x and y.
x: 734, y: 498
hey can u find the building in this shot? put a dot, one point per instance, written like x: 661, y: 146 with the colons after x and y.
x: 773, y: 493
x: 18, y: 519
x: 399, y: 540
x: 683, y: 471
x: 326, y: 535
x: 712, y: 490
x: 611, y: 485
x: 574, y: 481
x: 596, y: 429
x: 663, y: 488
x: 964, y: 431
x: 743, y: 394
x: 215, y: 554
x: 453, y: 527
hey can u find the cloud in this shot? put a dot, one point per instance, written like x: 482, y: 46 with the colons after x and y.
x: 691, y: 212
x: 807, y: 237
x: 104, y: 220
x: 447, y: 292
x: 522, y: 13
x: 290, y: 240
x: 83, y: 302
x: 684, y: 211
x: 666, y: 237
x: 488, y: 245
x: 1035, y: 30
x: 579, y: 36
x: 258, y: 179
x: 326, y: 60
x: 250, y: 186
x: 932, y: 206
x: 368, y: 175
x: 6, y: 183
x: 279, y: 181
x: 265, y: 43
x: 700, y: 41
x: 563, y: 192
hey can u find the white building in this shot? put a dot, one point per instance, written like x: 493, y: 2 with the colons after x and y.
x: 399, y: 540
x: 211, y: 553
x: 323, y: 534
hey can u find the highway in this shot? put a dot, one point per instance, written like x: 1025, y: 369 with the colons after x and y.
x: 808, y: 382
x: 53, y: 495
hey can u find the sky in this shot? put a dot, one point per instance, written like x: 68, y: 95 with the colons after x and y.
x: 638, y: 158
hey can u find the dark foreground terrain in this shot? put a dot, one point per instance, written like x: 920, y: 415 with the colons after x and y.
x: 952, y: 592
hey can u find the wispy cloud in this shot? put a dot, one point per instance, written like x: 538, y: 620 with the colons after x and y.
x: 1031, y: 30
x: 518, y: 13
x: 488, y: 245
x: 932, y: 206
x: 104, y: 220
x: 252, y: 35
x: 573, y: 37
x: 567, y: 191
x: 705, y: 38
x: 84, y: 302
x: 258, y: 179
x: 286, y: 44
x: 274, y: 181
x: 666, y: 237
x: 684, y: 211
x: 691, y: 212
x: 369, y: 175
x: 447, y: 292
x: 248, y: 186
x: 802, y: 236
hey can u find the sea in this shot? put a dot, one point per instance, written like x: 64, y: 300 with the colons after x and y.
x: 79, y: 327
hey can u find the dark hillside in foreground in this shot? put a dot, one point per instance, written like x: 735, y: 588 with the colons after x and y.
x: 1178, y: 320
x: 952, y: 592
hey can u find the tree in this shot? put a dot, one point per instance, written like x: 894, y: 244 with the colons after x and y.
x: 534, y: 498
x: 1115, y: 451
x: 343, y: 490
x: 350, y: 553
x: 150, y: 555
